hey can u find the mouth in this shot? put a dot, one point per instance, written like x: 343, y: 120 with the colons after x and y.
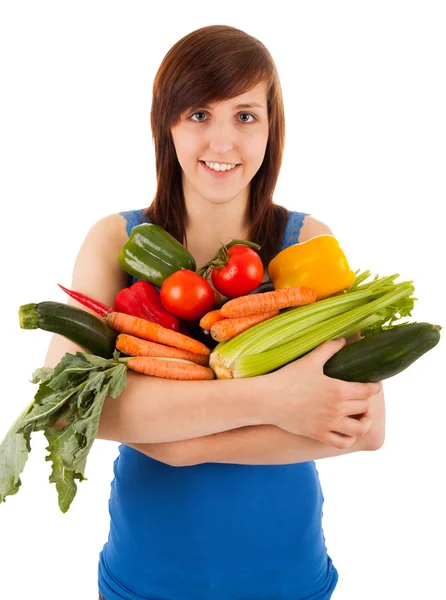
x: 219, y: 174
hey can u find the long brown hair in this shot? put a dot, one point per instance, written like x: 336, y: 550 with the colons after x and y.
x: 212, y: 64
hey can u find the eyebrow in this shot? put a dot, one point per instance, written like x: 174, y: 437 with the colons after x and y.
x: 250, y: 105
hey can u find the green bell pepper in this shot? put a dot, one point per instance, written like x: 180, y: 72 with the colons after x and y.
x: 152, y: 254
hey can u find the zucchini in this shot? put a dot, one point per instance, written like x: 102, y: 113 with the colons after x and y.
x: 81, y: 327
x: 383, y: 354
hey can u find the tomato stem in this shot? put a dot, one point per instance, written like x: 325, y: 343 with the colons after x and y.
x: 221, y: 257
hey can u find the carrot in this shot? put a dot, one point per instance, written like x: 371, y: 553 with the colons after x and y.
x: 262, y: 302
x: 135, y: 346
x: 222, y: 331
x: 210, y: 318
x: 169, y: 368
x: 155, y: 333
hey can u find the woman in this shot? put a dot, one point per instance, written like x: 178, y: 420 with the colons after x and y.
x: 216, y: 494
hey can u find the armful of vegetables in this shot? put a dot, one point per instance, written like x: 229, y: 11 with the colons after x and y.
x: 257, y: 331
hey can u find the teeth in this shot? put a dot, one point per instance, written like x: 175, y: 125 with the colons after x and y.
x: 220, y: 166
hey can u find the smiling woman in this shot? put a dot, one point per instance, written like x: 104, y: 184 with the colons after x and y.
x: 242, y: 518
x: 220, y: 144
x: 218, y: 129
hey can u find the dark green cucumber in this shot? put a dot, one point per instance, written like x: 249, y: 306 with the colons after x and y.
x: 383, y: 354
x: 81, y: 327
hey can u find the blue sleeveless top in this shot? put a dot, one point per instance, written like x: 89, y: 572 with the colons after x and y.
x: 215, y: 531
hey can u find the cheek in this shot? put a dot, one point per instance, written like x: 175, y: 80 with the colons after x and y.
x: 187, y: 149
x: 256, y: 148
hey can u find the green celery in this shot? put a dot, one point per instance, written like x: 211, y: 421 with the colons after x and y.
x: 340, y: 326
x: 287, y: 325
x: 263, y: 336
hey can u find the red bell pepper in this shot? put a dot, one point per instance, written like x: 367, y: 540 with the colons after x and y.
x: 142, y: 299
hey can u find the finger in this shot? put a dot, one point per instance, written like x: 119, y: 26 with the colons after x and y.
x: 365, y: 422
x: 58, y: 423
x: 342, y: 442
x: 356, y: 407
x: 326, y: 350
x: 361, y: 391
x: 354, y: 427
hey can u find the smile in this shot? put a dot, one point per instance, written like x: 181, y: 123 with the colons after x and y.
x: 220, y: 174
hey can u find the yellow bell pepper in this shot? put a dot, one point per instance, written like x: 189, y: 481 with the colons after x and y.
x: 318, y: 263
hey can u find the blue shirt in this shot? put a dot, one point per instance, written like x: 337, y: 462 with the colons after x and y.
x: 215, y: 531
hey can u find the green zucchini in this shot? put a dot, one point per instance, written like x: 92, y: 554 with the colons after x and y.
x: 81, y: 327
x: 384, y: 354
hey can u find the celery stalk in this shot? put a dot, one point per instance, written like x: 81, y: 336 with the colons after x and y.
x: 263, y: 336
x: 288, y: 324
x: 339, y: 326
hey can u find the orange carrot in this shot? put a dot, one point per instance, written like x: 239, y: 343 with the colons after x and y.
x: 169, y: 368
x: 134, y: 346
x: 222, y: 331
x: 210, y: 318
x: 262, y: 302
x: 155, y: 333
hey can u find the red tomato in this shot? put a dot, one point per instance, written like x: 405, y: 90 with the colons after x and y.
x: 242, y: 273
x: 187, y: 295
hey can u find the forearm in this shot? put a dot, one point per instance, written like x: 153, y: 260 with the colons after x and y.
x: 263, y: 445
x: 251, y: 445
x: 154, y: 410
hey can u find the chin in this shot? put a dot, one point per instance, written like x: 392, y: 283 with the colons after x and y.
x: 217, y: 200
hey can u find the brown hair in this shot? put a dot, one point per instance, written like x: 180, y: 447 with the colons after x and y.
x: 193, y: 73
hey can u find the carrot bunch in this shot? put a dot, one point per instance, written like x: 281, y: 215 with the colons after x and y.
x: 242, y: 313
x: 159, y: 352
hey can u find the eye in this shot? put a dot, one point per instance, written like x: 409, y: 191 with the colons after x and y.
x: 248, y: 115
x: 197, y: 113
x: 202, y: 113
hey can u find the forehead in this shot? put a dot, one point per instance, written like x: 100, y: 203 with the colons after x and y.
x: 253, y: 98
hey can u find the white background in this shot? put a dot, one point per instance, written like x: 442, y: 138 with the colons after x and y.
x: 365, y: 98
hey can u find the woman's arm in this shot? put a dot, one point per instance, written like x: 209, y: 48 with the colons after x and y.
x: 150, y: 408
x: 263, y: 444
x: 298, y: 398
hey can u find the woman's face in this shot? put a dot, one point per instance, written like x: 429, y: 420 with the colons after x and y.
x: 224, y: 134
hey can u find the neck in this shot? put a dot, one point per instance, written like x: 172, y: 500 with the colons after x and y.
x: 208, y: 223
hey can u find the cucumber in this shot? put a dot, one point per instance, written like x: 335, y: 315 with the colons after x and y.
x: 383, y: 354
x: 81, y: 327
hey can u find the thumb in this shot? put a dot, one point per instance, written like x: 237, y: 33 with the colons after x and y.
x: 326, y: 350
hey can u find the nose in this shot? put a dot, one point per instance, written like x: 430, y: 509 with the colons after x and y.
x: 220, y: 140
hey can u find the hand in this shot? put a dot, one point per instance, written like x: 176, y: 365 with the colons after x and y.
x: 304, y: 401
x: 62, y: 421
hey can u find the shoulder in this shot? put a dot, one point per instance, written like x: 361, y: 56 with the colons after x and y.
x: 102, y: 244
x: 97, y: 272
x: 312, y: 227
x: 108, y: 231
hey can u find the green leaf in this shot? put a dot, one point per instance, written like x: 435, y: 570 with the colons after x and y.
x: 47, y: 404
x: 14, y: 451
x: 41, y: 374
x: 93, y: 384
x: 13, y: 456
x: 118, y: 380
x: 97, y: 361
x: 80, y: 383
x: 63, y: 478
x: 77, y: 447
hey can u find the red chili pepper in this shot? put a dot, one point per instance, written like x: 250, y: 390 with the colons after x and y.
x: 95, y: 305
x: 142, y: 299
x: 139, y: 300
